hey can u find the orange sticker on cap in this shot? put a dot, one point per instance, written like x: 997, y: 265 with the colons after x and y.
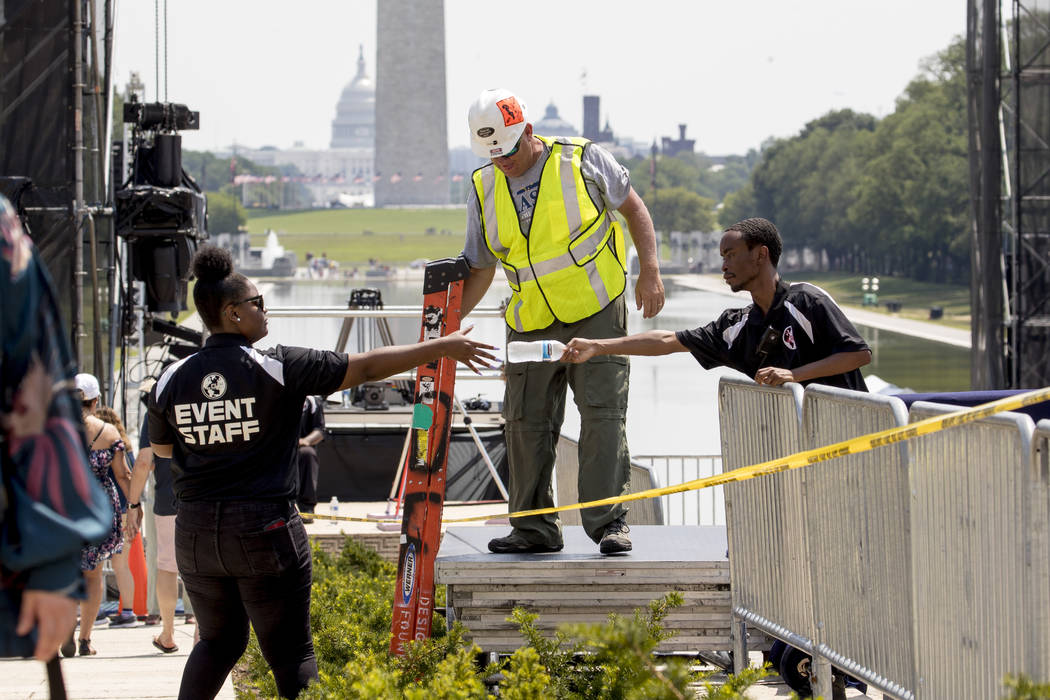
x: 511, y: 111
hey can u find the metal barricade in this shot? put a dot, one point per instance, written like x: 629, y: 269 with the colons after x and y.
x: 768, y: 563
x: 1039, y: 534
x: 921, y: 567
x: 857, y: 515
x: 972, y: 575
x: 699, y: 507
x: 566, y: 471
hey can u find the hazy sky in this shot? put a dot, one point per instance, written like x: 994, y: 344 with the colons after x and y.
x: 263, y: 72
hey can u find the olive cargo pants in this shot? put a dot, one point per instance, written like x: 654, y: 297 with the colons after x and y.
x: 533, y: 409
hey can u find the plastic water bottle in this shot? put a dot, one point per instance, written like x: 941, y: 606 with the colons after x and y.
x: 534, y: 351
x: 333, y: 506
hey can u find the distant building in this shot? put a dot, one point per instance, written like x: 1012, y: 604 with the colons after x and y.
x: 672, y: 147
x: 554, y: 125
x: 342, y: 175
x: 411, y: 115
x: 354, y: 125
x: 591, y: 119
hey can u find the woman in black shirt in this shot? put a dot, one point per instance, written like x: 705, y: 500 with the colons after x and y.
x: 229, y: 417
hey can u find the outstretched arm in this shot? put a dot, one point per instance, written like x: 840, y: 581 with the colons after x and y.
x: 382, y: 362
x: 649, y: 343
x: 839, y: 363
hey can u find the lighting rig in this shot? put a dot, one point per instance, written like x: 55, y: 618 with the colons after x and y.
x: 161, y: 215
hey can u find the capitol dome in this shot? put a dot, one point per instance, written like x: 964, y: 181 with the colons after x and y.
x: 354, y: 125
x: 553, y: 125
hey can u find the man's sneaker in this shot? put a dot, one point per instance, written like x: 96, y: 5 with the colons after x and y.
x: 118, y: 621
x: 514, y: 543
x: 615, y: 539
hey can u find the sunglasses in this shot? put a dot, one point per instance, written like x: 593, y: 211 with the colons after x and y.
x: 257, y: 300
x: 514, y: 150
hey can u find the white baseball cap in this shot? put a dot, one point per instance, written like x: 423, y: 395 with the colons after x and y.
x: 497, y: 119
x: 88, y: 386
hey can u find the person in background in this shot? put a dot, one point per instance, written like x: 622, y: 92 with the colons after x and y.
x: 789, y: 333
x: 44, y: 522
x: 105, y: 449
x: 543, y: 210
x: 311, y: 434
x: 129, y: 564
x: 164, y: 508
x: 228, y: 416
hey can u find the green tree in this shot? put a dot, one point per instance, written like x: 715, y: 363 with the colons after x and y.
x: 912, y: 202
x: 225, y: 213
x: 679, y: 209
x: 737, y: 206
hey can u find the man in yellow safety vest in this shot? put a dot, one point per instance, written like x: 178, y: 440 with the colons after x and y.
x: 542, y: 209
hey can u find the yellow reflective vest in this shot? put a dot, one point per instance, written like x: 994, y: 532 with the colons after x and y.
x: 573, y: 262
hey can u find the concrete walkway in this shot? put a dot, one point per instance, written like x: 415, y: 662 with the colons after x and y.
x: 127, y: 666
x: 936, y: 332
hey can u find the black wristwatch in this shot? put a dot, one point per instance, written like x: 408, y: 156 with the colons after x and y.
x: 134, y: 505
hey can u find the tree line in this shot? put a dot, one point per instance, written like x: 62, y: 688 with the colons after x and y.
x: 883, y: 196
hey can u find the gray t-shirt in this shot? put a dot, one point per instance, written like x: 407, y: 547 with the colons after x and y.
x: 606, y: 180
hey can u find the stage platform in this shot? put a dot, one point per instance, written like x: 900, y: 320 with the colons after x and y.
x: 579, y: 584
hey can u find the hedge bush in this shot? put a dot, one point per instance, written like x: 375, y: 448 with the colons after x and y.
x: 350, y: 618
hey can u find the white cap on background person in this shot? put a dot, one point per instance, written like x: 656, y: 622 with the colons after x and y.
x: 87, y: 385
x: 497, y: 119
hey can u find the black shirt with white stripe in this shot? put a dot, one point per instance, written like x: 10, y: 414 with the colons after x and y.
x: 809, y: 327
x: 231, y: 414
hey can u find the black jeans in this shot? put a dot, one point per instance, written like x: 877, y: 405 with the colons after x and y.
x: 246, y: 561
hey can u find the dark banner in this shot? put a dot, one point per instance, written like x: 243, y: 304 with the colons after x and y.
x: 37, y: 138
x: 36, y: 63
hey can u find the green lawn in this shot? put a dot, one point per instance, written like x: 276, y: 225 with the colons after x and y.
x: 355, y: 236
x: 359, y: 220
x: 915, y: 298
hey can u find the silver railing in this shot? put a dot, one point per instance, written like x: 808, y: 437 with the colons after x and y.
x: 700, y: 507
x: 920, y: 567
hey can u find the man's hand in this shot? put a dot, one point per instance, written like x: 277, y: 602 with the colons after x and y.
x: 131, y: 528
x: 649, y: 293
x: 774, y: 376
x: 54, y: 616
x: 579, y: 350
x: 468, y: 351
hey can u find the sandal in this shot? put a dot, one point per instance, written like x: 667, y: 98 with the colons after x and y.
x: 167, y: 650
x: 86, y: 649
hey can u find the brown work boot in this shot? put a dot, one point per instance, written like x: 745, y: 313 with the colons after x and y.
x: 615, y: 539
x: 515, y: 543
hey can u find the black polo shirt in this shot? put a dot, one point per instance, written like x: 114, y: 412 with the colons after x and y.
x: 231, y: 414
x: 313, y: 416
x: 808, y: 325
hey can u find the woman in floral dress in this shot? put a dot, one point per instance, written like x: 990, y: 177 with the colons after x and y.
x: 106, y: 449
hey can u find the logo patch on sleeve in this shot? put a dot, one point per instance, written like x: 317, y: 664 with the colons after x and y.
x: 789, y: 338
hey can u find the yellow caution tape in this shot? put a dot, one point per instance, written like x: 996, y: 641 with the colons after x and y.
x: 856, y: 445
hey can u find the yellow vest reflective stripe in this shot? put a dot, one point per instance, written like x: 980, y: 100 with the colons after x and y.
x: 572, y: 264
